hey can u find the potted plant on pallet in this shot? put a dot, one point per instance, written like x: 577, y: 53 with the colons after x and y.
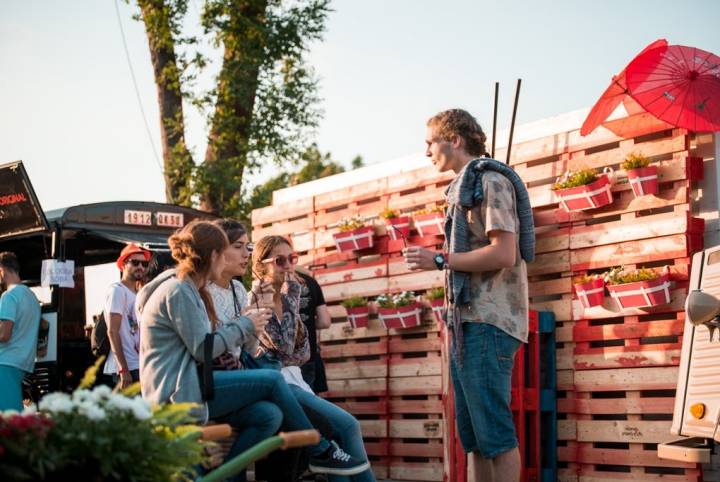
x: 643, y: 177
x: 353, y: 235
x: 357, y: 311
x: 639, y: 288
x: 436, y: 297
x: 400, y: 310
x: 396, y: 224
x: 430, y: 221
x: 584, y: 189
x: 590, y: 289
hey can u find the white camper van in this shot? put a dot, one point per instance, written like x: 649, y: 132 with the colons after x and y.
x: 697, y: 402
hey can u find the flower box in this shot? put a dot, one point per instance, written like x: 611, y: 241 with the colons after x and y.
x: 361, y: 238
x: 643, y: 180
x: 642, y: 293
x: 401, y: 224
x: 438, y: 309
x: 590, y: 196
x: 358, y: 316
x: 402, y: 317
x: 591, y: 293
x: 432, y: 224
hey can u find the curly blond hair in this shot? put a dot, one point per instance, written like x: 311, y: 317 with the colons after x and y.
x: 458, y: 122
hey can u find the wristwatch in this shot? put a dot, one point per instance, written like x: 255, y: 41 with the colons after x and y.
x: 440, y: 261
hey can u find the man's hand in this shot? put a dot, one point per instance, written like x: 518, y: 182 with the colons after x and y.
x: 418, y: 258
x: 125, y: 380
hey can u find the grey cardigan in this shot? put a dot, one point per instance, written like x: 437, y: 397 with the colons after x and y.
x: 173, y: 325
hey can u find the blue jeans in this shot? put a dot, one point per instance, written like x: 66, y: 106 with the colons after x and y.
x: 238, y: 389
x: 346, y: 430
x: 482, y: 385
x: 11, y: 393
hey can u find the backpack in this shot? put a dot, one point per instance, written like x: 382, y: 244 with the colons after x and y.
x: 99, y: 340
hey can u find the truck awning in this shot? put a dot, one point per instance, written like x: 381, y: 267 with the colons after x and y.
x: 148, y: 240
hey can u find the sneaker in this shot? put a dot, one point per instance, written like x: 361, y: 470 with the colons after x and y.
x: 336, y: 461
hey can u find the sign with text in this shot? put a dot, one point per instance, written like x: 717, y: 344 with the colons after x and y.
x: 170, y: 220
x: 20, y: 211
x: 56, y: 272
x: 138, y: 218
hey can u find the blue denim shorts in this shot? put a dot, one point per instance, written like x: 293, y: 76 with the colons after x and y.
x: 482, y: 385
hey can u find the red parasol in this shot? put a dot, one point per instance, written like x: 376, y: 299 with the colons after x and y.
x: 679, y: 85
x: 613, y: 95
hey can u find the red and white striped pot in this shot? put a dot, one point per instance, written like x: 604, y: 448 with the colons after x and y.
x: 401, y: 224
x: 591, y: 293
x: 360, y: 238
x: 403, y: 317
x: 432, y: 224
x: 591, y: 196
x: 358, y: 316
x: 438, y: 309
x: 643, y: 180
x: 642, y: 293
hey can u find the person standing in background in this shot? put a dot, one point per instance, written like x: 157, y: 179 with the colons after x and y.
x: 315, y: 315
x: 123, y: 362
x: 19, y: 326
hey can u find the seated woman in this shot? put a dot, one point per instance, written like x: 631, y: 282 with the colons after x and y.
x: 274, y: 262
x: 177, y: 314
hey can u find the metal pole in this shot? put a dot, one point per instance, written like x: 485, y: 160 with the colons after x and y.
x: 512, y: 122
x: 494, y: 126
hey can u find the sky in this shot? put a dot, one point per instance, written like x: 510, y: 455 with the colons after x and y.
x: 70, y: 112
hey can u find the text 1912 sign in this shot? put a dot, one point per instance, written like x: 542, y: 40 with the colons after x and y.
x: 20, y: 211
x: 139, y: 218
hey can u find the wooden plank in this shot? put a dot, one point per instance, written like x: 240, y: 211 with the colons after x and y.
x: 589, y: 475
x: 634, y: 456
x: 646, y: 227
x: 622, y: 379
x: 610, y: 308
x: 368, y: 287
x: 357, y: 192
x: 656, y: 147
x: 416, y: 281
x: 356, y: 369
x: 354, y: 349
x: 561, y: 308
x: 628, y: 357
x: 636, y: 405
x: 553, y: 239
x: 546, y: 263
x: 374, y: 428
x: 432, y: 428
x: 430, y: 364
x: 635, y: 431
x: 282, y: 212
x: 417, y: 472
x: 567, y: 429
x: 433, y: 405
x: 344, y: 331
x: 351, y: 272
x: 674, y: 325
x: 428, y: 449
x: 364, y: 387
x: 550, y: 287
x: 426, y: 385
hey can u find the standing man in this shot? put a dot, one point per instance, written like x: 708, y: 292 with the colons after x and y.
x: 19, y: 326
x: 123, y: 361
x: 489, y: 236
x: 314, y: 313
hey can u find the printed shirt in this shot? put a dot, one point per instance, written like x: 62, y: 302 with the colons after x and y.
x: 19, y: 305
x: 499, y: 298
x: 121, y: 300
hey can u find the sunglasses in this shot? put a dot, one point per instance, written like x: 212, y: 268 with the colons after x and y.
x: 136, y: 262
x: 282, y: 260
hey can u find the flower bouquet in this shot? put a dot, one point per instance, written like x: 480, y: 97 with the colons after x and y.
x: 400, y: 310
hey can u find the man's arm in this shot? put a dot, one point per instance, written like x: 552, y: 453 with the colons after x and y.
x: 6, y: 327
x: 323, y: 319
x: 116, y: 340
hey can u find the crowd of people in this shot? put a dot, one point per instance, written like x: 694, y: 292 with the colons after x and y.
x: 251, y: 359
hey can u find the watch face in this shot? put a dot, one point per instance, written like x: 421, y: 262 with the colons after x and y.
x: 439, y: 258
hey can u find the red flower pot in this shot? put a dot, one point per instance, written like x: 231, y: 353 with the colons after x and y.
x: 591, y: 293
x: 401, y: 224
x: 358, y: 316
x: 642, y: 293
x: 360, y: 238
x: 432, y: 224
x: 644, y: 180
x: 438, y: 309
x: 403, y: 317
x: 591, y: 196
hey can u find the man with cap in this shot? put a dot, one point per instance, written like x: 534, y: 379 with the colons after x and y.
x: 123, y: 361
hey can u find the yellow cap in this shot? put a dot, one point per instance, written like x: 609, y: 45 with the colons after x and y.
x: 697, y: 410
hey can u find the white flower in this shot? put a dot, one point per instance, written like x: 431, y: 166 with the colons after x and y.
x: 91, y: 411
x: 57, y: 402
x: 141, y: 409
x: 101, y: 392
x: 119, y: 402
x: 30, y: 409
x: 81, y: 395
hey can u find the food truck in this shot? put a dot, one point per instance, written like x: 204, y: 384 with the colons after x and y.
x: 67, y: 258
x: 697, y: 400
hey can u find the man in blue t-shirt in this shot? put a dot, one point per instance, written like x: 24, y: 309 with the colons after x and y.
x: 19, y: 326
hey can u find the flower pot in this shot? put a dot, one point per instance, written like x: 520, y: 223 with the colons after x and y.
x: 644, y: 180
x: 401, y: 224
x: 358, y: 316
x: 360, y: 238
x: 591, y: 293
x: 591, y: 196
x: 438, y: 309
x: 403, y: 317
x: 432, y: 224
x: 642, y: 293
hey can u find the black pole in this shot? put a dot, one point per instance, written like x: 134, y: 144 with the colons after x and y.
x: 494, y: 127
x: 512, y: 122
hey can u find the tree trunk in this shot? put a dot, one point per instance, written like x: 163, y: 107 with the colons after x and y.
x: 177, y: 160
x: 227, y: 150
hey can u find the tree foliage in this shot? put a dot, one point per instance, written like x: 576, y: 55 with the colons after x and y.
x: 263, y: 104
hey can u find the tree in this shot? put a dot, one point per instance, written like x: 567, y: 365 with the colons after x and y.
x: 263, y: 104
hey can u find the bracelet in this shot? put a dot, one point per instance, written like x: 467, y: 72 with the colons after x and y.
x: 123, y: 370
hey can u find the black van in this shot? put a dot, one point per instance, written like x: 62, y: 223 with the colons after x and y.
x: 90, y: 235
